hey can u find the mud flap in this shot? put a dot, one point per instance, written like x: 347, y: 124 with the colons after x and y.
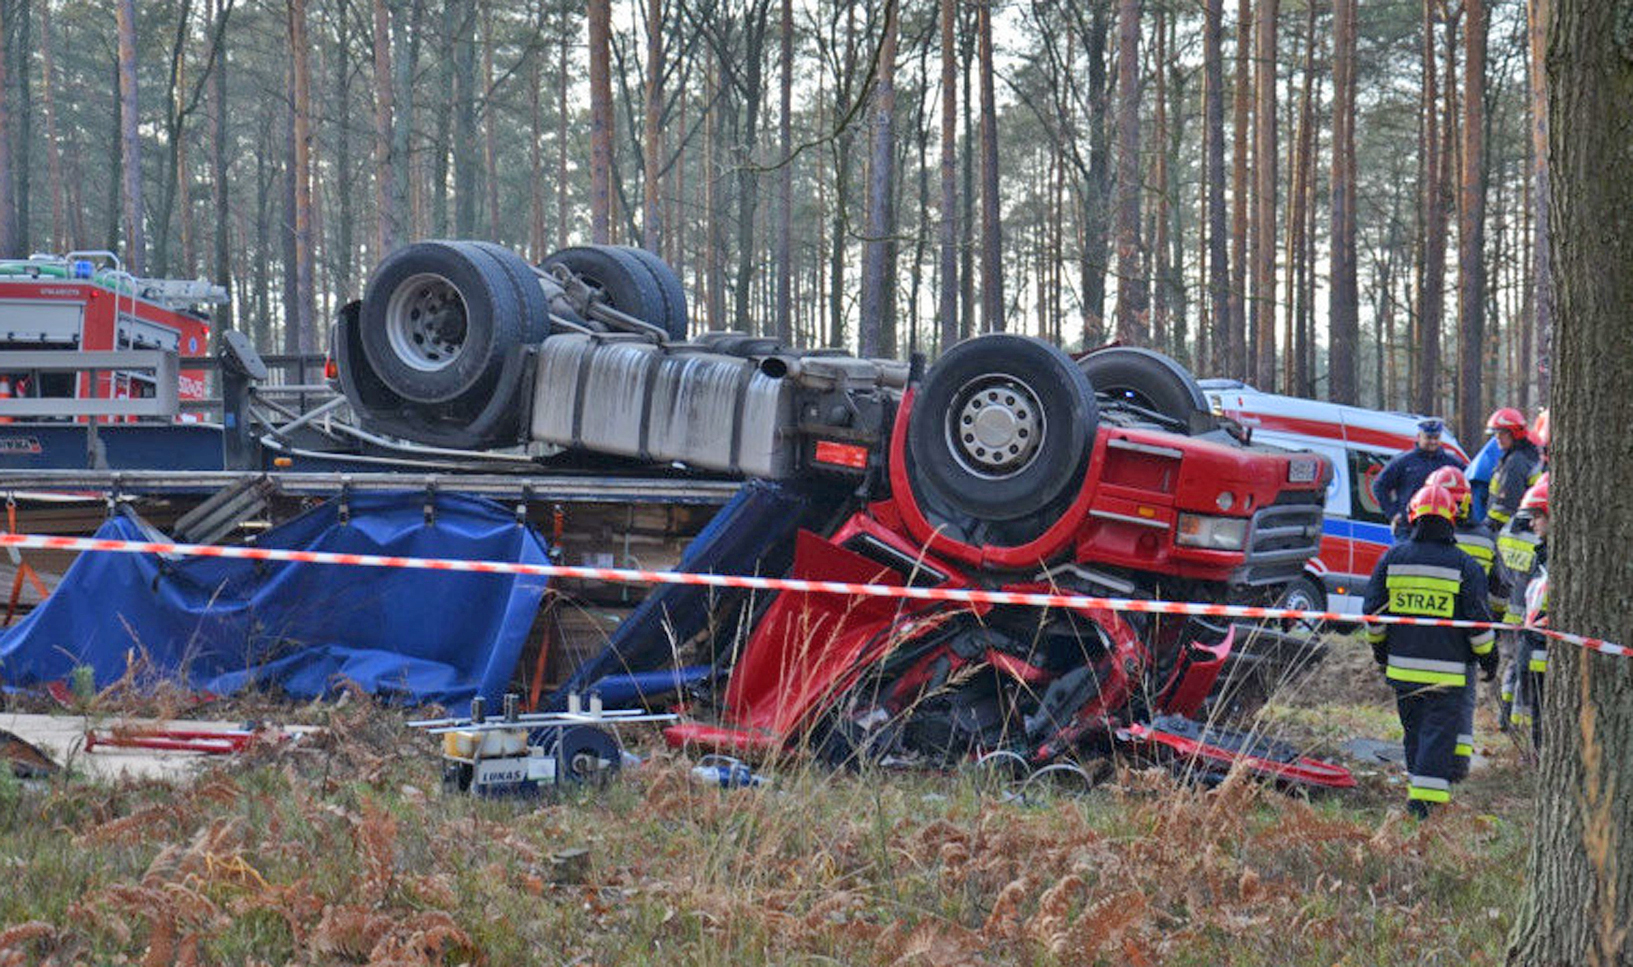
x: 1208, y: 753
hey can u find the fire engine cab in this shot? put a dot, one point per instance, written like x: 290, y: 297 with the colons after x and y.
x: 85, y: 302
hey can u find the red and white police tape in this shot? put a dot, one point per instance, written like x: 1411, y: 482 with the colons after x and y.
x: 620, y: 575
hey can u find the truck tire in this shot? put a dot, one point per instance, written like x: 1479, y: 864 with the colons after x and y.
x: 439, y: 318
x: 625, y: 281
x: 1147, y: 379
x: 1001, y: 427
x: 675, y: 319
x: 535, y: 304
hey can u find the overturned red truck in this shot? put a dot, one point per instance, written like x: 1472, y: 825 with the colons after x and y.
x: 1006, y: 464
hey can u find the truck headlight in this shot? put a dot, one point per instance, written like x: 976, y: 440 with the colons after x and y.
x: 1214, y: 533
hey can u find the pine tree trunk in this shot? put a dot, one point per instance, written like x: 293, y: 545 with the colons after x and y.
x: 1343, y: 313
x: 535, y: 159
x: 1471, y: 233
x: 221, y: 267
x: 1133, y: 323
x: 1542, y: 276
x: 1264, y: 194
x: 490, y: 130
x: 563, y: 219
x: 131, y: 140
x: 343, y: 258
x: 301, y: 319
x: 652, y: 133
x: 463, y: 42
x: 53, y: 148
x: 385, y: 202
x: 1242, y: 134
x: 601, y: 121
x: 1213, y: 120
x: 1431, y: 293
x: 1097, y: 192
x: 967, y: 325
x: 10, y: 243
x: 22, y: 119
x: 992, y: 269
x: 1159, y: 185
x: 879, y: 249
x: 785, y: 176
x: 1579, y: 894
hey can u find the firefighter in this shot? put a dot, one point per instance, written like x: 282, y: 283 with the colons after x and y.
x: 1534, y: 649
x: 1402, y: 476
x: 1428, y: 577
x: 1518, y: 469
x: 1528, y: 653
x: 1474, y: 539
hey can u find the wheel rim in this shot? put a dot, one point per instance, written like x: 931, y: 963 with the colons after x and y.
x: 995, y: 426
x: 426, y: 322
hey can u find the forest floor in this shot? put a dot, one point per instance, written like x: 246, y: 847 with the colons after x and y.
x: 342, y: 850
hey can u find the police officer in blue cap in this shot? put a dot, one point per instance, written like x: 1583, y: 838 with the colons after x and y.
x: 1405, y: 475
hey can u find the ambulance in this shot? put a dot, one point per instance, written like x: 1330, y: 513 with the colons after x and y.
x: 1358, y: 443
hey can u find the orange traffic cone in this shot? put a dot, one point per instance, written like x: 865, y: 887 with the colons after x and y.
x: 5, y: 394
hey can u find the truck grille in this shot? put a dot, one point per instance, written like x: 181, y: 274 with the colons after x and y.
x: 1283, y: 536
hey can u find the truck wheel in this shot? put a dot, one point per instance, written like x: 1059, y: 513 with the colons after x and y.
x: 1001, y: 427
x: 438, y: 318
x: 1302, y: 594
x: 675, y: 319
x: 535, y: 304
x: 625, y: 281
x: 1147, y: 379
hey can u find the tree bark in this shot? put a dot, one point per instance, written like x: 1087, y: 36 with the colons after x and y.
x: 1097, y: 191
x: 535, y: 157
x: 53, y: 147
x: 601, y: 122
x: 131, y: 139
x: 220, y: 169
x: 463, y: 44
x: 490, y: 130
x: 562, y: 83
x: 1264, y: 194
x: 652, y: 134
x: 300, y: 339
x: 1213, y: 114
x: 992, y: 270
x: 22, y: 119
x: 385, y: 202
x: 1242, y: 136
x: 1579, y: 895
x: 1542, y: 277
x: 1431, y: 293
x: 1343, y: 312
x: 1471, y: 232
x: 1160, y: 300
x: 785, y: 176
x: 1133, y: 323
x: 10, y: 242
x: 879, y: 249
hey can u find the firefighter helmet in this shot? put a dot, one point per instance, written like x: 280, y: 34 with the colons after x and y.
x: 1508, y: 419
x: 1536, y: 498
x: 1539, y: 429
x: 1456, y: 484
x: 1432, y: 500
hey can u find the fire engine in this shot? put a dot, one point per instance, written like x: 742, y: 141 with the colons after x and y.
x: 87, y: 302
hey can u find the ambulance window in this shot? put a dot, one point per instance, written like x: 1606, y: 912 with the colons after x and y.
x: 1364, y: 467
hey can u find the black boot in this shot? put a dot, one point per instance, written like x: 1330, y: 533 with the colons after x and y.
x: 1417, y: 809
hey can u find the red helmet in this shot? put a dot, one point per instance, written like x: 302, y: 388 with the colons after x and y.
x: 1455, y: 483
x: 1508, y: 419
x: 1536, y: 498
x: 1539, y: 429
x: 1432, y: 500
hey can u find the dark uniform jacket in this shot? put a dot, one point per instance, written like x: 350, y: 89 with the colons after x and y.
x: 1404, y: 476
x: 1429, y: 577
x: 1475, y: 539
x: 1519, y: 468
x: 1521, y: 556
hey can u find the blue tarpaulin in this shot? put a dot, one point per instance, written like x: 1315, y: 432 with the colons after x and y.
x: 221, y: 625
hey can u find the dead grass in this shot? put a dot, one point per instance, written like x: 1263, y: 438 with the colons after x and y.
x: 344, y: 852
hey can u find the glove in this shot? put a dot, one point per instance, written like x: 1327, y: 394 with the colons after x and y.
x: 1488, y: 667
